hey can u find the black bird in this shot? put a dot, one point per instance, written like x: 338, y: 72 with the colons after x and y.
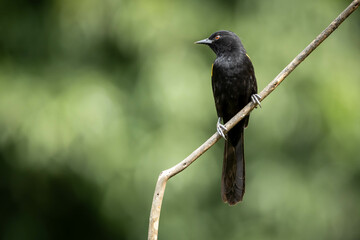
x: 234, y: 86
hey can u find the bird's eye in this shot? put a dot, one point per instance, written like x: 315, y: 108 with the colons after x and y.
x: 217, y: 37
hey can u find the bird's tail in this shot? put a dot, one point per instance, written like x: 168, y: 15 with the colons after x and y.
x: 233, y: 173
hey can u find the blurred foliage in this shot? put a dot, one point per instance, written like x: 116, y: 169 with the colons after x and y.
x: 97, y: 97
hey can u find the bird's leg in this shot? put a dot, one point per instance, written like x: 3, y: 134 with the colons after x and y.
x: 221, y: 128
x: 255, y: 98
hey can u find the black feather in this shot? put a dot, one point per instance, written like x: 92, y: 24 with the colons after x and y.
x: 233, y: 83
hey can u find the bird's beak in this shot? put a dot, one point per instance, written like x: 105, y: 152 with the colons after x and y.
x: 204, y: 41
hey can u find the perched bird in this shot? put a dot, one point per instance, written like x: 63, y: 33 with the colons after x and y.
x: 234, y: 86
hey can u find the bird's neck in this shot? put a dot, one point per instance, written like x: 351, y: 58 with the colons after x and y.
x: 231, y: 52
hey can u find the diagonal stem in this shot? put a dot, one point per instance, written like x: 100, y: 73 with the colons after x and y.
x: 167, y: 174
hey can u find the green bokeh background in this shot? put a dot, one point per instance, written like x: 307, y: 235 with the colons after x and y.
x: 97, y: 97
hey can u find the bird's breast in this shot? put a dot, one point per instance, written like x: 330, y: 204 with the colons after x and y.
x: 230, y: 78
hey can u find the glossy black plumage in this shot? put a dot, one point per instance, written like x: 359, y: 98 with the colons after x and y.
x: 233, y: 84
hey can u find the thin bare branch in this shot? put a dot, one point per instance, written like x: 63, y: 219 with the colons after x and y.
x: 167, y: 174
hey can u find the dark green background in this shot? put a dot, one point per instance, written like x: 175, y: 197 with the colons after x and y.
x: 97, y: 97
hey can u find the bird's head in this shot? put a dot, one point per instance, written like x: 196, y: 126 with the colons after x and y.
x: 222, y: 42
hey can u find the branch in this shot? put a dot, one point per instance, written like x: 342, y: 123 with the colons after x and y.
x: 167, y: 174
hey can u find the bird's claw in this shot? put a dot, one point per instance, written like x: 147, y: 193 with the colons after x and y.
x: 255, y: 98
x: 221, y: 128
